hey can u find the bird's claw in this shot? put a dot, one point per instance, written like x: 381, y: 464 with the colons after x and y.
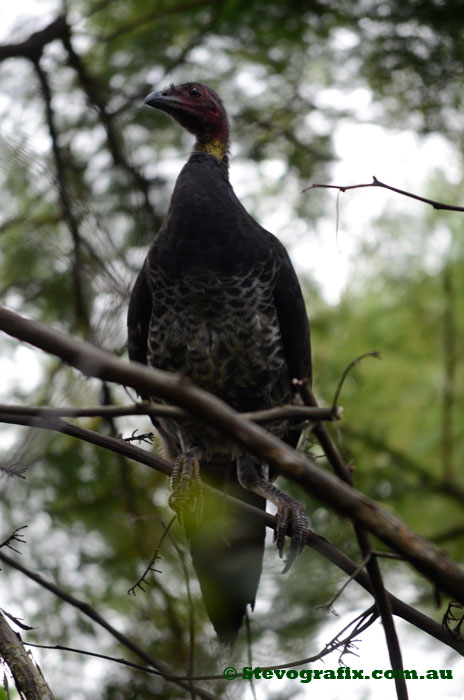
x: 187, y: 491
x: 291, y: 512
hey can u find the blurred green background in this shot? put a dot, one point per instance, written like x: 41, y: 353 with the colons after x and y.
x: 292, y: 75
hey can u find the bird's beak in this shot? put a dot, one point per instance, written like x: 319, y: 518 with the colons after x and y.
x: 163, y: 100
x: 154, y: 99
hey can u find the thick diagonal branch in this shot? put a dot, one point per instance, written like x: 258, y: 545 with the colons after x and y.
x: 91, y: 361
x: 316, y: 542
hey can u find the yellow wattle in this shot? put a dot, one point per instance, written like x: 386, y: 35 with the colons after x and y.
x: 216, y: 148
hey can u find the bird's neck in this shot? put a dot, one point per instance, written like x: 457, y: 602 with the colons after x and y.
x: 216, y: 147
x: 214, y: 142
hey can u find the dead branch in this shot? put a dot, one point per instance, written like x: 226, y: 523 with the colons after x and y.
x: 142, y: 580
x: 347, y: 370
x: 345, y: 644
x: 28, y: 678
x: 17, y: 537
x: 377, y: 183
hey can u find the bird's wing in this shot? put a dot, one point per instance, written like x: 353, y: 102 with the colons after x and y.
x: 138, y: 319
x: 288, y: 297
x: 293, y: 321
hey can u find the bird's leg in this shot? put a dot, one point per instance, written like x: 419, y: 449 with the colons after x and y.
x: 289, y: 511
x: 187, y: 492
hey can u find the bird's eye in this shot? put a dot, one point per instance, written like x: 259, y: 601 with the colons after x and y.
x: 194, y: 92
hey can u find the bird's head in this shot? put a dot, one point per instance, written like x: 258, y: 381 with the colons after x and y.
x: 199, y: 110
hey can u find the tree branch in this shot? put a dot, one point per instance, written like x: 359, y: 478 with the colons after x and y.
x: 372, y: 564
x: 29, y: 681
x: 91, y: 361
x: 149, y: 408
x: 33, y: 46
x: 316, y: 542
x: 114, y: 139
x: 90, y: 612
x: 377, y: 183
x: 67, y: 208
x: 359, y: 624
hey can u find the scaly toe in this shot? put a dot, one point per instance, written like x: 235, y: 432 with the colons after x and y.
x: 187, y: 492
x: 300, y: 531
x: 283, y: 519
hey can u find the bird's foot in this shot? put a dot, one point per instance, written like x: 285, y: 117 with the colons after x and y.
x: 290, y: 512
x: 187, y: 490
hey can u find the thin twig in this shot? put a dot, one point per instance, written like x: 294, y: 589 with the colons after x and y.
x: 329, y: 605
x: 454, y: 623
x: 16, y: 536
x: 353, y: 363
x: 377, y: 183
x: 364, y: 620
x: 16, y: 620
x: 85, y: 652
x: 387, y: 555
x: 152, y: 561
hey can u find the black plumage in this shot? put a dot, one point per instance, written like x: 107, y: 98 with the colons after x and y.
x: 218, y: 301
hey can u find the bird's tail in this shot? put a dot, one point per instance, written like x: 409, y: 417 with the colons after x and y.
x: 227, y: 551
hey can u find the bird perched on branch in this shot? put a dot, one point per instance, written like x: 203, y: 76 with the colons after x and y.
x: 218, y: 301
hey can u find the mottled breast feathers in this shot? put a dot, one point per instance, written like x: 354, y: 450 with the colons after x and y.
x: 218, y: 301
